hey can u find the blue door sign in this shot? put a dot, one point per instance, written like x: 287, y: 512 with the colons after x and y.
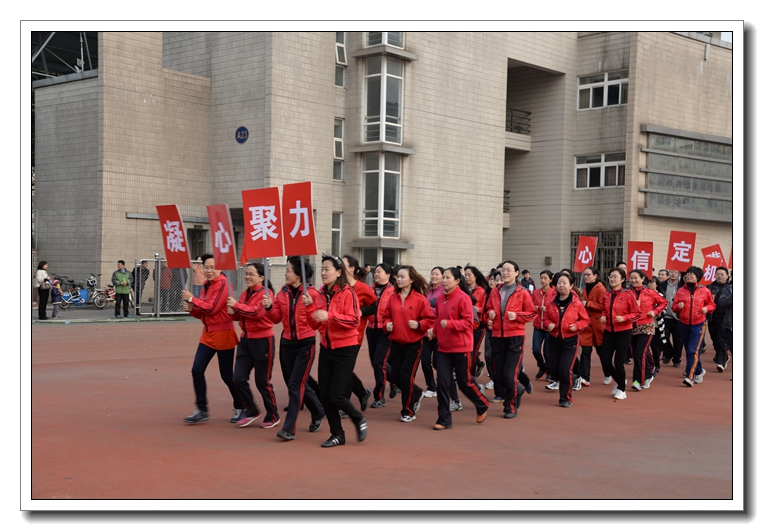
x: 242, y: 134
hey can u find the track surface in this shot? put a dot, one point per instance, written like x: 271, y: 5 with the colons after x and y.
x: 107, y: 415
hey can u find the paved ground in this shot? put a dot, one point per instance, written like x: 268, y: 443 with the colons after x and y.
x: 108, y: 399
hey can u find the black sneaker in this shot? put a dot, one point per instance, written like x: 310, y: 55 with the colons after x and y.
x: 510, y: 415
x: 529, y: 388
x: 418, y: 403
x: 239, y: 414
x: 629, y: 361
x: 540, y: 374
x: 315, y: 425
x: 520, y: 393
x: 283, y: 434
x: 565, y: 403
x: 393, y: 390
x: 362, y: 430
x: 197, y: 416
x: 479, y: 369
x: 365, y: 400
x: 343, y: 415
x: 677, y: 364
x: 334, y: 440
x: 378, y: 403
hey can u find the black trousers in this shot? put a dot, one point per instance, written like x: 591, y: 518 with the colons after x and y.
x: 507, y: 353
x: 585, y: 363
x: 613, y: 353
x: 124, y: 300
x: 429, y: 346
x: 204, y: 355
x: 257, y: 354
x: 42, y: 303
x: 477, y: 338
x: 643, y: 360
x: 719, y: 338
x: 404, y: 362
x: 488, y: 356
x: 296, y: 361
x: 561, y: 358
x: 379, y: 348
x: 445, y: 365
x: 672, y: 349
x: 335, y: 378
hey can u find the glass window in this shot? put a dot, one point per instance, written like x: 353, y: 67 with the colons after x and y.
x: 338, y: 170
x: 381, y: 193
x: 336, y: 232
x: 339, y: 125
x: 383, y: 86
x: 596, y: 171
x: 339, y: 76
x: 340, y: 58
x: 603, y: 90
x: 391, y: 38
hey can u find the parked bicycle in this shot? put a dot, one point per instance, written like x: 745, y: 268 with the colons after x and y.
x: 73, y: 295
x: 106, y: 295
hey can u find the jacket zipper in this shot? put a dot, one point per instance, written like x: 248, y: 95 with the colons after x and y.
x: 612, y: 303
x: 292, y: 311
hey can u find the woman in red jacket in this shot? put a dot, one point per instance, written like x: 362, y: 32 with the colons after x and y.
x: 453, y: 328
x: 256, y: 348
x: 407, y: 318
x: 297, y: 346
x: 650, y: 304
x: 378, y: 339
x: 619, y: 311
x: 335, y: 314
x: 508, y: 308
x: 430, y: 346
x: 564, y: 318
x: 541, y: 299
x: 218, y: 337
x: 477, y: 286
x: 366, y: 300
x: 692, y: 303
x: 591, y: 336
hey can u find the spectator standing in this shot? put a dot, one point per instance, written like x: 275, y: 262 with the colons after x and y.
x: 56, y: 297
x: 140, y: 276
x: 42, y: 283
x: 121, y: 280
x: 527, y: 282
x: 673, y: 346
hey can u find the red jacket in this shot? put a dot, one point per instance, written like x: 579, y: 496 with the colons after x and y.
x: 456, y: 309
x: 623, y: 303
x: 519, y: 302
x: 691, y: 314
x: 414, y: 308
x: 292, y: 313
x: 341, y: 328
x: 375, y: 320
x: 366, y: 297
x: 592, y: 336
x: 575, y: 314
x: 479, y: 294
x: 540, y: 299
x: 253, y: 319
x: 648, y: 300
x: 212, y: 307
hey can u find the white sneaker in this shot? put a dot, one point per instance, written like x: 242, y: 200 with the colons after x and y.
x: 615, y: 389
x: 699, y: 378
x: 620, y: 395
x: 636, y: 386
x: 406, y: 418
x: 553, y: 386
x: 647, y: 383
x: 456, y: 406
x: 481, y: 387
x: 577, y: 384
x: 430, y: 394
x: 607, y: 380
x: 585, y: 382
x: 489, y: 385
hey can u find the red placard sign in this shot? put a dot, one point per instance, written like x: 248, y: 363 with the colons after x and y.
x: 681, y: 248
x: 262, y: 223
x: 587, y: 245
x: 709, y: 270
x: 173, y: 236
x: 730, y: 266
x: 714, y: 251
x: 299, y: 230
x: 640, y: 256
x: 223, y: 243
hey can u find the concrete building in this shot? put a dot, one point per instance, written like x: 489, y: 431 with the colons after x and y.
x: 423, y: 148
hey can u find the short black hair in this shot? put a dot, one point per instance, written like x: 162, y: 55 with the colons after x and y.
x: 121, y: 262
x: 525, y: 271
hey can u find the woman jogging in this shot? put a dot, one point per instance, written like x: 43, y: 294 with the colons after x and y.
x: 478, y: 287
x: 591, y: 337
x: 692, y: 303
x: 335, y: 313
x: 619, y: 311
x: 650, y: 304
x: 297, y: 347
x: 430, y: 346
x: 541, y: 299
x: 407, y: 318
x: 378, y: 339
x: 366, y: 300
x: 256, y: 348
x: 218, y: 337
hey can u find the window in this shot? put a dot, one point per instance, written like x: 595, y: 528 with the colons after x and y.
x: 391, y: 38
x: 340, y: 59
x: 339, y: 148
x: 381, y: 195
x: 596, y: 171
x: 336, y: 233
x: 603, y: 90
x: 376, y: 256
x: 383, y: 103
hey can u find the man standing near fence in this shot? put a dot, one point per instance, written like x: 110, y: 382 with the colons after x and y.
x: 121, y: 281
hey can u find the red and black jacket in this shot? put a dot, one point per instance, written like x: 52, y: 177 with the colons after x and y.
x: 212, y: 307
x: 519, y: 302
x: 414, y: 308
x: 623, y: 303
x: 341, y: 328
x: 648, y: 300
x: 366, y: 298
x: 456, y: 309
x: 479, y: 294
x: 694, y: 302
x: 541, y: 298
x: 375, y: 320
x: 289, y: 310
x: 575, y: 314
x: 253, y: 319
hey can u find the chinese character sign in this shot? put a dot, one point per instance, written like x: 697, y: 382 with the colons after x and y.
x: 587, y: 245
x: 262, y: 223
x: 640, y: 256
x: 173, y: 236
x: 709, y: 270
x: 299, y: 229
x: 223, y: 244
x: 680, y: 250
x: 714, y: 251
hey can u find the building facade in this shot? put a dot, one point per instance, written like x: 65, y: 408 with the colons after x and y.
x: 423, y: 148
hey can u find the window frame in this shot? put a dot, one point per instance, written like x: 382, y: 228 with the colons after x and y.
x: 339, y: 162
x: 382, y: 122
x: 339, y: 65
x: 384, y: 39
x: 602, y: 165
x: 604, y: 84
x: 381, y: 217
x: 338, y: 231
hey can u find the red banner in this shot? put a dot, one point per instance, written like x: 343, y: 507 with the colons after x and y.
x: 681, y: 248
x: 714, y: 251
x: 709, y: 270
x: 587, y: 245
x: 299, y: 230
x: 730, y: 266
x: 223, y: 243
x: 173, y: 237
x: 640, y: 256
x: 262, y: 223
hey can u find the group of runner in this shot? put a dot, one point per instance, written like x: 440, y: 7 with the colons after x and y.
x: 440, y: 324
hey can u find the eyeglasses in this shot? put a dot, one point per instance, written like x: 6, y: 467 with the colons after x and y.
x: 209, y: 268
x: 614, y: 277
x: 588, y: 274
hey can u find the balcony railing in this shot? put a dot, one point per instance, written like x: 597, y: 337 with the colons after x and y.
x: 518, y: 121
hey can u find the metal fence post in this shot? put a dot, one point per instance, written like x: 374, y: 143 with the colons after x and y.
x: 157, y: 282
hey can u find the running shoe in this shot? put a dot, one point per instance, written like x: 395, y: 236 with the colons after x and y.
x: 497, y: 400
x: 636, y: 386
x: 585, y: 382
x: 362, y: 430
x: 246, y: 421
x: 479, y: 369
x: 620, y: 395
x: 607, y: 380
x: 270, y: 424
x: 378, y: 403
x: 456, y: 406
x: 406, y: 418
x: 489, y: 385
x: 314, y: 425
x: 687, y: 382
x: 553, y: 386
x: 238, y: 414
x: 577, y: 384
x: 430, y: 394
x: 285, y: 435
x: 197, y: 416
x: 365, y: 399
x: 418, y: 403
x: 646, y: 385
x: 699, y: 377
x: 565, y: 403
x: 334, y: 440
x: 540, y: 374
x: 393, y: 390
